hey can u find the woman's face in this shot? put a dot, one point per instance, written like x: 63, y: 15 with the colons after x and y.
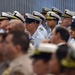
x: 54, y: 65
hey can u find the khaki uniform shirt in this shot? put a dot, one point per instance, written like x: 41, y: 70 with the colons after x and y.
x: 20, y: 66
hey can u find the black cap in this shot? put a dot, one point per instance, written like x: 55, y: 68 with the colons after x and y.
x: 42, y: 55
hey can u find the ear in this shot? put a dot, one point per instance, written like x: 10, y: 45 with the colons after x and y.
x: 58, y: 35
x: 18, y: 48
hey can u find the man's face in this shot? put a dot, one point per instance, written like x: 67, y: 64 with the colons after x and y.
x: 30, y: 26
x: 72, y: 33
x: 54, y: 37
x: 3, y: 24
x: 66, y: 22
x: 54, y: 65
x: 51, y: 23
x: 40, y: 67
x: 9, y: 47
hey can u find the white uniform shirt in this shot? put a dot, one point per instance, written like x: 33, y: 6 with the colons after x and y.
x: 46, y: 27
x: 42, y: 30
x: 37, y: 38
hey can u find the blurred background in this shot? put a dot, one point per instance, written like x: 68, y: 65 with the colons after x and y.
x: 24, y: 6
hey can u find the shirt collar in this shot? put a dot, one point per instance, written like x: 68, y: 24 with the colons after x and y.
x: 61, y: 43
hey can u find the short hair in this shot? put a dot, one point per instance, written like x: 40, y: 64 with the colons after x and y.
x: 61, y: 53
x: 64, y: 34
x: 20, y: 38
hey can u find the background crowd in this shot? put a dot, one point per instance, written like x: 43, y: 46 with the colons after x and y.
x: 41, y: 43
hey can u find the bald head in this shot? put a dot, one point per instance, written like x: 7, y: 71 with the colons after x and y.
x: 15, y: 25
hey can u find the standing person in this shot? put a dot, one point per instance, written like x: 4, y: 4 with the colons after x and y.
x: 52, y: 21
x: 41, y: 58
x: 32, y: 24
x: 41, y: 29
x: 68, y: 62
x: 16, y: 48
x: 67, y: 19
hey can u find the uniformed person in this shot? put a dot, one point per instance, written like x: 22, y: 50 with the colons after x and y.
x: 32, y: 23
x: 4, y: 20
x: 41, y: 29
x: 68, y: 62
x: 16, y: 49
x: 44, y: 13
x: 18, y: 16
x: 41, y: 58
x: 67, y: 19
x: 58, y: 12
x: 52, y: 20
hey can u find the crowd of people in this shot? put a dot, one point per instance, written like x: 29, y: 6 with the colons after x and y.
x: 41, y: 43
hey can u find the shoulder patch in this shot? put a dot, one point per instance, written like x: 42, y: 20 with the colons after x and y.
x: 41, y: 29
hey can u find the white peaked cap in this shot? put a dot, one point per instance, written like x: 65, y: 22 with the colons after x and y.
x: 19, y: 16
x: 4, y: 14
x: 30, y: 16
x: 36, y: 13
x: 56, y: 9
x: 49, y: 48
x: 53, y: 14
x: 68, y: 12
